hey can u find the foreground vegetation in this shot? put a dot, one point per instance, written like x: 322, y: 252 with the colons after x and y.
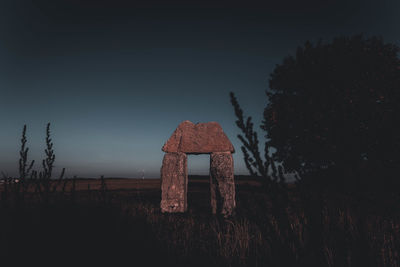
x: 97, y: 225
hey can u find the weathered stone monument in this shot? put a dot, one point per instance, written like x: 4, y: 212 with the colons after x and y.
x: 201, y: 138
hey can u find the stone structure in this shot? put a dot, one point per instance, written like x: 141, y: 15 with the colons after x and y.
x: 201, y: 138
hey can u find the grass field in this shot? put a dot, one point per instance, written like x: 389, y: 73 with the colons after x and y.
x: 118, y: 221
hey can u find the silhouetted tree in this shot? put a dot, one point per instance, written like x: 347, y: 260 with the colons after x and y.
x: 334, y: 108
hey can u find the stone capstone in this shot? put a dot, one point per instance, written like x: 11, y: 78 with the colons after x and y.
x: 174, y: 179
x: 198, y: 138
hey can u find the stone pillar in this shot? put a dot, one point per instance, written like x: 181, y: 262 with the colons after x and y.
x: 174, y: 180
x: 213, y: 193
x: 221, y: 172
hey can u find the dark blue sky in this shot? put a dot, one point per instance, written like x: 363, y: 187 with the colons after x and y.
x: 115, y: 78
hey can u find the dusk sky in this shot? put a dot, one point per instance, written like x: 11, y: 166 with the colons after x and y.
x: 115, y: 78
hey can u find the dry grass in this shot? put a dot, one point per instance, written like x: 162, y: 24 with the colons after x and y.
x: 123, y: 218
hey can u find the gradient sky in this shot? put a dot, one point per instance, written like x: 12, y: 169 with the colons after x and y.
x: 115, y: 78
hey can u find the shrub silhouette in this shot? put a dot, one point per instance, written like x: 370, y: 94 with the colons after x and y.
x: 256, y: 165
x: 333, y: 110
x: 29, y: 177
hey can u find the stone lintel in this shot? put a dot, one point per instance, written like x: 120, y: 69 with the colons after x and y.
x: 200, y: 138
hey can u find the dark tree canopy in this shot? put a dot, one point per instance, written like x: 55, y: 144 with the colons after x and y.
x: 336, y: 106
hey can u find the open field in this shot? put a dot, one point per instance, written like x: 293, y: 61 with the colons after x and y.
x: 149, y: 183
